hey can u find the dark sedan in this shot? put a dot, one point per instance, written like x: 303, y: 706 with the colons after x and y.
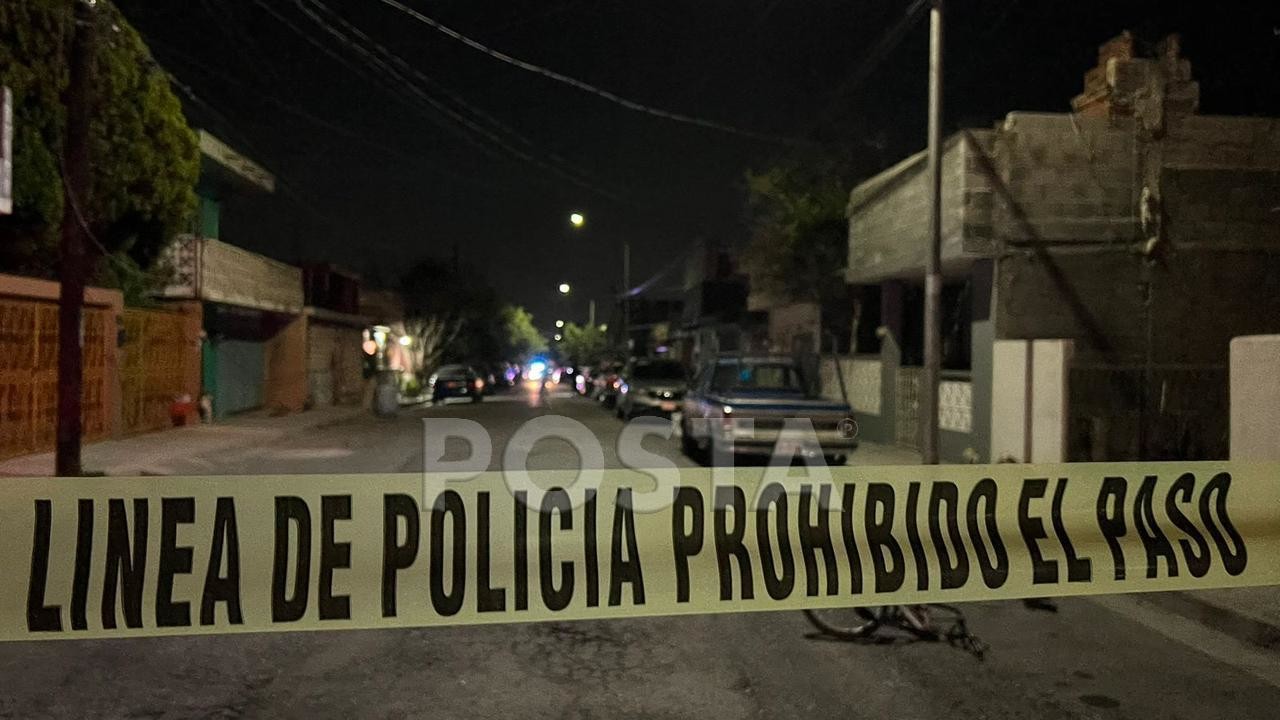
x: 456, y: 381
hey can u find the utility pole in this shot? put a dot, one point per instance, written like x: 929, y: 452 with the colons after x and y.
x: 73, y: 258
x: 626, y: 297
x: 591, y: 313
x: 933, y: 259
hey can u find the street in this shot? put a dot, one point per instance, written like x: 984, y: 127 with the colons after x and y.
x: 1111, y: 657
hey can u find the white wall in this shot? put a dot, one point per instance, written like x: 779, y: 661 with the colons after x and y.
x: 1029, y: 411
x: 1255, y: 398
x: 861, y: 380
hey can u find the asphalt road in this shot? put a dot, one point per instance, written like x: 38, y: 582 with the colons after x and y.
x: 1108, y: 658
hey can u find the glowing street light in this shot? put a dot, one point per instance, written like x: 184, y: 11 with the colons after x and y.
x: 564, y: 288
x: 406, y: 341
x: 559, y: 337
x: 559, y: 323
x: 577, y: 219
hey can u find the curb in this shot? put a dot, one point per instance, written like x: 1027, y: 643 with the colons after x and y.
x: 1217, y: 617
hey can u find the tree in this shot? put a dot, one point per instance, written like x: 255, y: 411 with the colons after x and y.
x: 520, y: 337
x: 455, y: 295
x: 144, y: 158
x: 798, y: 232
x: 584, y: 345
x: 428, y: 339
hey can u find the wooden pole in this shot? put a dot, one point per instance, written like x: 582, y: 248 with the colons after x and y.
x: 73, y: 261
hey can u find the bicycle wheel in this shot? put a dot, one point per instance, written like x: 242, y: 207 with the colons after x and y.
x: 849, y: 623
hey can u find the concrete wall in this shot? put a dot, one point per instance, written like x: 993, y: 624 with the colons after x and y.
x: 1065, y: 179
x: 207, y: 269
x: 1029, y: 413
x: 795, y: 328
x: 1223, y: 143
x: 889, y: 221
x: 1255, y: 398
x: 1081, y: 262
x: 863, y: 381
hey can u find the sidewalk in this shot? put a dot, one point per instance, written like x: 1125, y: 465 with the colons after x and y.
x: 1251, y: 615
x: 149, y: 453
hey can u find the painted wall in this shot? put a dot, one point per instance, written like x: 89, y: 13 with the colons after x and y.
x: 1029, y: 412
x: 1255, y: 398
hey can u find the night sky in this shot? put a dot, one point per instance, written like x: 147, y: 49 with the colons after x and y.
x: 374, y: 175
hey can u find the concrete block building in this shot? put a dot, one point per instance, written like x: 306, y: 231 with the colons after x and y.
x: 1123, y: 244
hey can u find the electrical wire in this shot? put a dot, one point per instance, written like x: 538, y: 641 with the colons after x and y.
x: 299, y: 112
x: 434, y: 85
x: 451, y: 113
x: 392, y: 88
x: 888, y: 42
x: 587, y: 87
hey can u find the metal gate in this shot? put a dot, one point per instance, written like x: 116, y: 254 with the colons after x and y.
x: 1158, y: 412
x: 241, y: 372
x: 153, y: 367
x: 906, y: 415
x: 29, y: 375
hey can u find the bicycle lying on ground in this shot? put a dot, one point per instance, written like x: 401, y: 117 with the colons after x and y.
x: 918, y: 621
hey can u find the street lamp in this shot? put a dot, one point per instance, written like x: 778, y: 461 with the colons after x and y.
x: 559, y: 337
x: 564, y: 288
x: 577, y: 219
x: 559, y: 323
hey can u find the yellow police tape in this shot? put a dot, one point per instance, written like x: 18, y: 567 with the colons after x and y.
x: 127, y: 557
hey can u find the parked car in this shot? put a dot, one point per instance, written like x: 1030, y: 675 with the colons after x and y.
x: 767, y: 391
x: 652, y: 386
x: 456, y: 381
x: 606, y: 383
x: 582, y: 381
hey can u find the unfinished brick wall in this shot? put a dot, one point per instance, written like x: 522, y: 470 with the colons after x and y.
x: 1125, y: 83
x: 284, y: 385
x: 888, y: 218
x: 1151, y: 251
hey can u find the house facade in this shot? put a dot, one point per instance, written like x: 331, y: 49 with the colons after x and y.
x: 1096, y: 266
x: 251, y: 307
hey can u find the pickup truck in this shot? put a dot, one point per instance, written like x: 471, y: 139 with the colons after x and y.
x: 750, y: 399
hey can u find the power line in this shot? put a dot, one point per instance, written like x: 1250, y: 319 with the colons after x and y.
x: 431, y: 83
x: 393, y: 89
x: 450, y: 112
x: 296, y: 111
x: 587, y: 87
x: 869, y: 63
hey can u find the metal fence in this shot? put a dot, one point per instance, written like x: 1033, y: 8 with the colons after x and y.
x: 1148, y: 412
x: 153, y: 367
